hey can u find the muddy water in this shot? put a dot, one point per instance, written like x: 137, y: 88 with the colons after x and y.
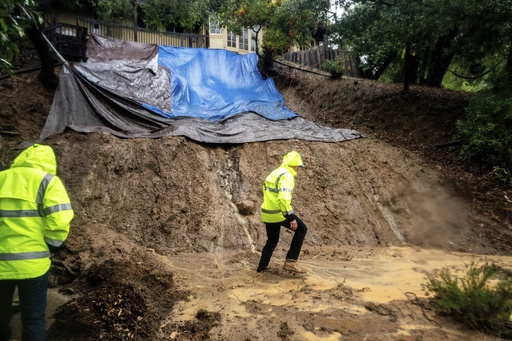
x: 338, y: 280
x: 396, y: 272
x: 228, y: 283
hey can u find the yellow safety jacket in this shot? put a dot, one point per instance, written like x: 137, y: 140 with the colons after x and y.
x: 277, y: 194
x: 35, y: 210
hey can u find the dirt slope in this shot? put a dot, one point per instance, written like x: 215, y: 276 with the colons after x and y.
x: 167, y: 233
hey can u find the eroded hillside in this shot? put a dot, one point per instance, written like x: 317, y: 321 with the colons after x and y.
x: 173, y: 226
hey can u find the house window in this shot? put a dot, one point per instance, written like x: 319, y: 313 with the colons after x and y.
x: 231, y: 39
x: 215, y: 27
x: 253, y: 41
x: 244, y: 39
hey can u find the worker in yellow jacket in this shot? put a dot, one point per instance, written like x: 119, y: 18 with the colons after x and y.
x: 277, y: 211
x: 35, y: 213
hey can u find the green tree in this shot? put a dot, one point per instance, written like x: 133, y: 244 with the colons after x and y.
x: 115, y: 10
x: 15, y: 17
x: 426, y: 35
x: 186, y: 14
x: 157, y: 14
x: 254, y: 15
x: 285, y: 22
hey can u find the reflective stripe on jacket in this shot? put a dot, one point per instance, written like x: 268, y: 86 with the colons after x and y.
x: 277, y: 194
x: 35, y: 210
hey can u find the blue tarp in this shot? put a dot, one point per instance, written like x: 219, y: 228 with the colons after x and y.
x: 216, y: 84
x: 133, y: 89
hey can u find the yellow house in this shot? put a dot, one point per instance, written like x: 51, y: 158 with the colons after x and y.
x: 221, y: 38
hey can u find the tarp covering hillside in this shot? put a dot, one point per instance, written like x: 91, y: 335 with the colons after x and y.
x: 142, y: 90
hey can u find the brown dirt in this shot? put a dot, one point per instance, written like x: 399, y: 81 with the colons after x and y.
x: 167, y: 233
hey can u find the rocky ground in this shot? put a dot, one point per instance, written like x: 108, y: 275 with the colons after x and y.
x: 167, y: 233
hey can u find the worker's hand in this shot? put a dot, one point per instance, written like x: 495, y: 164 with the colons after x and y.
x: 53, y: 249
x: 293, y: 225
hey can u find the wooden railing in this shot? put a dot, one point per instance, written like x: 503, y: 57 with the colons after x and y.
x: 144, y: 35
x: 68, y: 40
x: 316, y: 56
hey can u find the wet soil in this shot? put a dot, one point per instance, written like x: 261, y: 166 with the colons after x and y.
x: 167, y: 232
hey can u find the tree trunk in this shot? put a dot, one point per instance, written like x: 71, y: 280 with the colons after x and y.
x: 508, y: 66
x: 267, y: 64
x: 135, y: 19
x: 47, y: 74
x: 376, y: 75
x: 440, y: 60
x: 256, y: 40
x: 407, y: 66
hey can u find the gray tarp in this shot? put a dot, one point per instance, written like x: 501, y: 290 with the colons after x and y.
x: 110, y: 91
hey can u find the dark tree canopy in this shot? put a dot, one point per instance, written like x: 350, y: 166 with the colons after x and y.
x: 427, y: 35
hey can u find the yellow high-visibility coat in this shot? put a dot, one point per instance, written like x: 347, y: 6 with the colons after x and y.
x: 35, y: 211
x: 278, y: 190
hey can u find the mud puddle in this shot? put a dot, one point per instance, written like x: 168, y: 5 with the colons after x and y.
x: 341, y: 284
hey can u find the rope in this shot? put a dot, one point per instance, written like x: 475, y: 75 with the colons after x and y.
x: 476, y: 77
x: 422, y: 308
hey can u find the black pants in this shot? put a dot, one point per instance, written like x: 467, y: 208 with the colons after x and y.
x: 273, y: 231
x: 32, y: 294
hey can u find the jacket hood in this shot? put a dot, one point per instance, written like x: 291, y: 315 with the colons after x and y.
x: 37, y: 156
x: 293, y: 159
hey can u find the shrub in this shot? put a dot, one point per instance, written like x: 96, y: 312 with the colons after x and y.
x: 481, y: 300
x: 486, y: 131
x: 334, y: 67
